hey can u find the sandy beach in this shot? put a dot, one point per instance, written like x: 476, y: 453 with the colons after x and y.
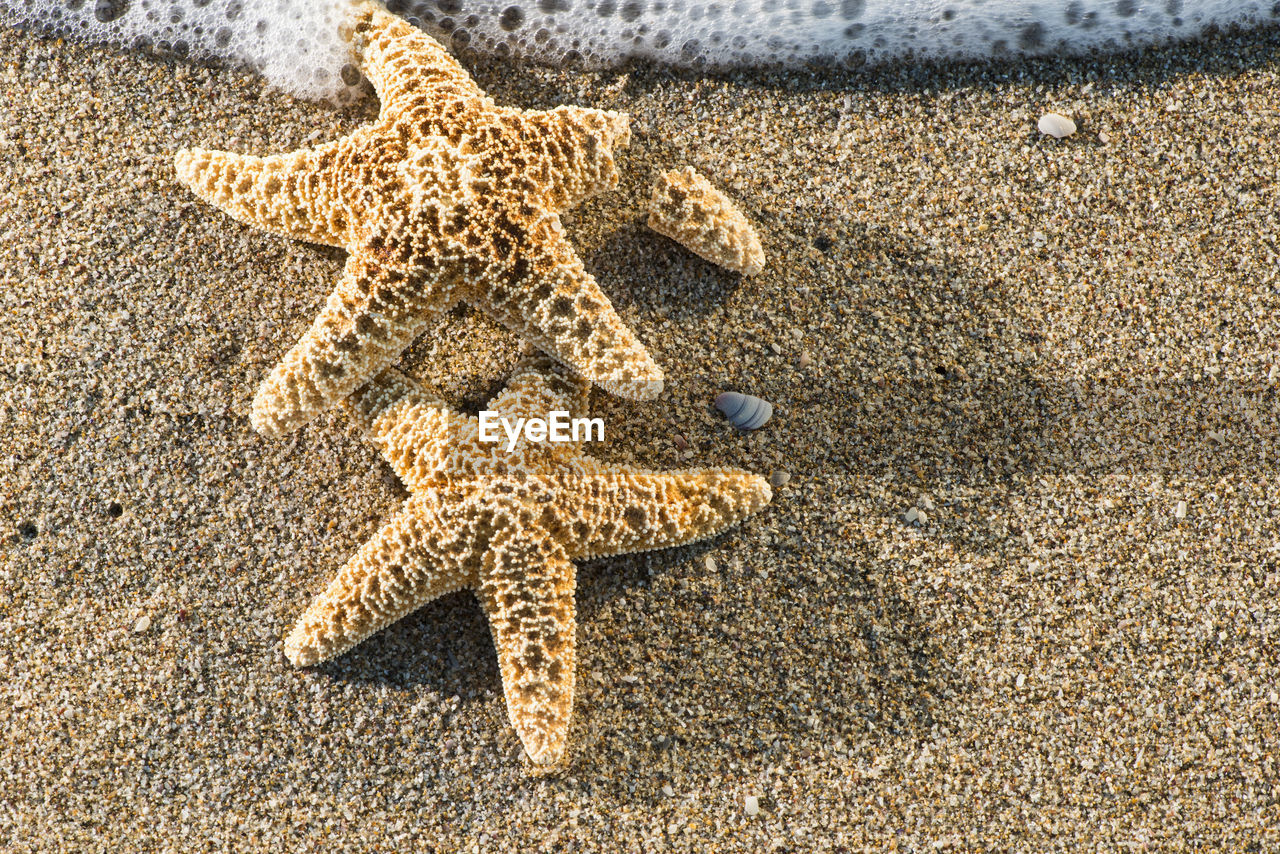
x: 1056, y: 357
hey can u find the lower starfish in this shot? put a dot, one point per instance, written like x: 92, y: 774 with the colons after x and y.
x: 507, y: 524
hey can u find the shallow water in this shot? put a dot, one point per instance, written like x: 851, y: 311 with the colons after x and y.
x: 297, y: 45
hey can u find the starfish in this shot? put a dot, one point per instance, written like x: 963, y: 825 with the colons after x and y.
x: 445, y: 198
x: 507, y: 524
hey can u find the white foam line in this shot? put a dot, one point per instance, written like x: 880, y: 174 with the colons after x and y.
x: 295, y: 43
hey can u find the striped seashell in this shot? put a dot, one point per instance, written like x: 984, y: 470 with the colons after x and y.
x: 744, y: 411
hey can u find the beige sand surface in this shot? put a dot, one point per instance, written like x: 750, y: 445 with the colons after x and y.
x: 1063, y: 352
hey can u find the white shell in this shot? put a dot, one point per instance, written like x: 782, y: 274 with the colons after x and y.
x: 744, y: 411
x: 1056, y: 126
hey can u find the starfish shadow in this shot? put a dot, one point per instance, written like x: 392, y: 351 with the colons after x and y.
x: 750, y: 673
x: 444, y: 646
x: 659, y: 277
x: 950, y: 379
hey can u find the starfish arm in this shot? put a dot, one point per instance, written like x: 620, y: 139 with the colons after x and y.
x: 624, y: 511
x: 540, y: 385
x: 371, y: 317
x: 290, y: 194
x: 526, y: 589
x: 403, y: 63
x: 577, y: 145
x: 552, y: 301
x: 413, y: 559
x: 417, y: 433
x: 383, y: 400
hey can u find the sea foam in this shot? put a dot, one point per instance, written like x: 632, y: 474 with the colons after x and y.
x: 297, y: 43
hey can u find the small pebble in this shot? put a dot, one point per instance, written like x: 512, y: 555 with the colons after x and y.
x: 752, y: 803
x: 143, y: 623
x: 779, y: 478
x: 1180, y: 512
x: 681, y: 443
x: 1056, y: 125
x: 925, y: 503
x: 806, y: 359
x: 668, y: 791
x: 631, y: 679
x: 710, y: 563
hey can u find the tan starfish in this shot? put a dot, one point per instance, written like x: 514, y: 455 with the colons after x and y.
x: 689, y: 210
x: 509, y: 525
x: 445, y: 198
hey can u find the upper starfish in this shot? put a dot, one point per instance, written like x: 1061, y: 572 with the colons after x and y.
x: 507, y: 524
x: 445, y: 198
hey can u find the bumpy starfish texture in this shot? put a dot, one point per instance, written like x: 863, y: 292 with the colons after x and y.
x: 686, y: 208
x: 507, y: 524
x: 445, y: 198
